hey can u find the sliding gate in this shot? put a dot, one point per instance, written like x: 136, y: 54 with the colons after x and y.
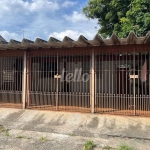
x: 58, y: 80
x: 122, y: 83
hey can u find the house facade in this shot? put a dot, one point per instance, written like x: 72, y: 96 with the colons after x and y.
x: 108, y: 76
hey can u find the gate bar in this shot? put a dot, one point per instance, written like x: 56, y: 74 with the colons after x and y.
x: 149, y: 74
x: 134, y: 82
x: 57, y: 85
x: 92, y: 83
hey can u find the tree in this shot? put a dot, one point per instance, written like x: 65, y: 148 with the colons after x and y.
x: 137, y: 19
x: 120, y: 16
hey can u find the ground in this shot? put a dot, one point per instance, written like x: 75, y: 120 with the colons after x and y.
x: 49, y: 130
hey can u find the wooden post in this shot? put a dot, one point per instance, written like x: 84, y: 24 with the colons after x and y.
x: 92, y: 87
x: 24, y: 83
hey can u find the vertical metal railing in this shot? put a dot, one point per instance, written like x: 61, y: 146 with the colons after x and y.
x: 59, y: 80
x: 57, y: 84
x: 134, y: 83
x: 121, y: 78
x: 122, y: 86
x: 74, y: 94
x: 11, y: 72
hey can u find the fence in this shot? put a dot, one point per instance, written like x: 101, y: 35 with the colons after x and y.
x: 11, y: 65
x: 57, y: 80
x: 75, y: 80
x: 122, y: 104
x: 122, y: 82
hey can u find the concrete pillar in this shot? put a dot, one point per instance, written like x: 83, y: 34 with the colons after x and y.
x: 28, y: 78
x: 24, y: 80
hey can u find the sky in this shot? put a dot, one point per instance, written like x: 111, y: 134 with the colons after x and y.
x: 43, y: 19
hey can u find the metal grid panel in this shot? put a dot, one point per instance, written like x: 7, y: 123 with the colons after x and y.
x: 59, y: 80
x: 122, y: 82
x: 11, y: 71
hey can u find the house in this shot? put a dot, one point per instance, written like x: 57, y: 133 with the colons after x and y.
x: 109, y: 76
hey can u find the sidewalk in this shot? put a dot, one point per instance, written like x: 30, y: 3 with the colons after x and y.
x: 50, y: 130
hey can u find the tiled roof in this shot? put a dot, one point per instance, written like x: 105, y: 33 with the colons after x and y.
x: 69, y: 43
x: 2, y: 40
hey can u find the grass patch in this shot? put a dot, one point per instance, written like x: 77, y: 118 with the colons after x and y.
x: 89, y: 145
x: 71, y: 134
x: 125, y: 147
x: 43, y: 138
x: 20, y: 137
x: 121, y: 147
x: 107, y: 148
x: 7, y: 133
x: 23, y: 137
x: 4, y: 130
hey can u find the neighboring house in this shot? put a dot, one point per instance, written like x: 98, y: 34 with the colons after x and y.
x: 104, y: 76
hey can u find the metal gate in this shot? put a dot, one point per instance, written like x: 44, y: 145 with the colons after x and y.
x: 11, y: 71
x: 58, y: 80
x: 122, y: 83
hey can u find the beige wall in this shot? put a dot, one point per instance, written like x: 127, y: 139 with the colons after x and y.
x: 49, y: 84
x: 6, y: 63
x: 105, y: 80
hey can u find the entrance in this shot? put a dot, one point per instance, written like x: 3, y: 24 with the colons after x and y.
x: 11, y: 71
x: 122, y: 83
x: 56, y: 81
x: 72, y: 91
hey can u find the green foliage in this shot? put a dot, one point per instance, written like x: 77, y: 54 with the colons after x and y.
x: 107, y: 148
x: 121, y: 147
x: 4, y: 130
x: 71, y: 134
x: 43, y: 138
x: 120, y: 16
x: 7, y: 133
x: 20, y: 137
x: 137, y: 19
x: 125, y: 147
x: 89, y: 145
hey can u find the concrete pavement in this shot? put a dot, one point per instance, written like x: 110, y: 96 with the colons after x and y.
x: 50, y: 130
